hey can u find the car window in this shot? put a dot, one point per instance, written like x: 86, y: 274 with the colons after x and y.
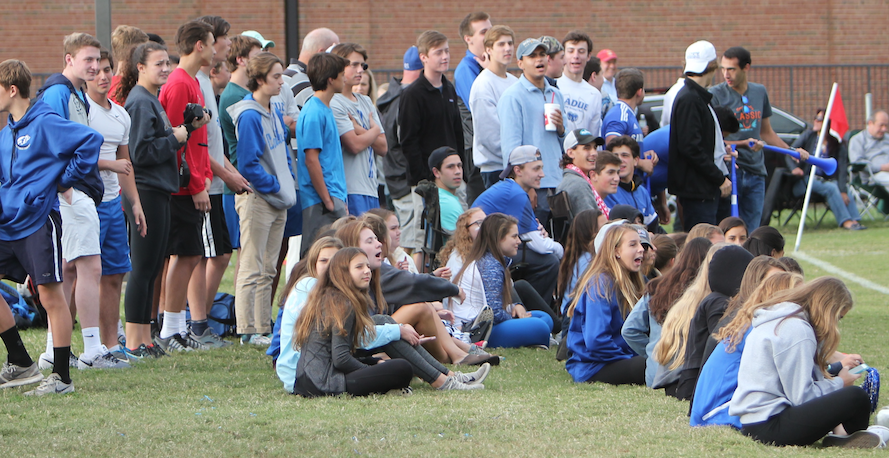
x: 783, y: 123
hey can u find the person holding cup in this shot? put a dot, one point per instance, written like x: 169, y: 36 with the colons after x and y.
x: 530, y: 113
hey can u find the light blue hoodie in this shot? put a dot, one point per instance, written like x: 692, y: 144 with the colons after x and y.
x: 778, y: 365
x: 520, y: 110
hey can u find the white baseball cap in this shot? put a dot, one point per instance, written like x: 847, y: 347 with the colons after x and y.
x: 698, y: 56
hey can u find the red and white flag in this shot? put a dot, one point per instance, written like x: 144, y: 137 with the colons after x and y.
x: 839, y: 124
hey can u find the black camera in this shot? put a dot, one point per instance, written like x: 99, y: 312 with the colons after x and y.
x: 193, y: 111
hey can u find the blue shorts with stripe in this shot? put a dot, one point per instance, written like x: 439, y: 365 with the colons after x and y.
x: 38, y: 255
x: 113, y: 237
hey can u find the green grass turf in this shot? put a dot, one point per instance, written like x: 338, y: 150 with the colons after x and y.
x: 229, y: 402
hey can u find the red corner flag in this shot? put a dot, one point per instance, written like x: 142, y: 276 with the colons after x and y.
x: 839, y: 124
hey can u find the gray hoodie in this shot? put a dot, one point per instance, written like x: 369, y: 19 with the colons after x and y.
x: 778, y: 365
x: 263, y: 158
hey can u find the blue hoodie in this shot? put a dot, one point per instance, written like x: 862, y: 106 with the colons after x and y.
x: 716, y: 385
x: 594, y: 336
x: 38, y: 153
x: 60, y: 95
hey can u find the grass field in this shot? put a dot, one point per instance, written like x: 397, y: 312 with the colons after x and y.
x: 229, y: 402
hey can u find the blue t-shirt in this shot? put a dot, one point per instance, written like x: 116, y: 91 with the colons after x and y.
x: 450, y: 209
x: 621, y: 120
x: 509, y: 198
x: 465, y: 74
x: 659, y: 142
x: 316, y: 129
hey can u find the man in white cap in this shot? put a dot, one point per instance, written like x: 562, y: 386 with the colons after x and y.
x: 510, y: 196
x: 695, y: 140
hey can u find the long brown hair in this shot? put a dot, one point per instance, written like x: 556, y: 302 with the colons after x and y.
x: 350, y: 235
x: 129, y: 75
x: 333, y: 299
x: 665, y: 291
x: 733, y: 332
x: 385, y: 214
x: 306, y: 266
x: 627, y: 285
x: 753, y: 276
x: 461, y: 241
x: 670, y: 349
x: 581, y: 236
x: 495, y: 227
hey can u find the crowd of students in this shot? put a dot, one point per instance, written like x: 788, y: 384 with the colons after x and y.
x: 122, y: 164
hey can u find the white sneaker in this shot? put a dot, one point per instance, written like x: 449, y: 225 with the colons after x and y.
x: 474, y: 378
x: 883, y: 417
x: 45, y: 362
x: 881, y: 431
x: 453, y: 383
x: 104, y: 360
x: 51, y: 385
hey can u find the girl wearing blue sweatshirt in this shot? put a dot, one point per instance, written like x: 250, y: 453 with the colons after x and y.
x: 719, y: 376
x: 486, y: 281
x: 264, y: 160
x: 785, y: 394
x: 608, y: 289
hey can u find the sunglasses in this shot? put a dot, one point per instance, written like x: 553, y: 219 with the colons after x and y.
x: 363, y: 65
x: 475, y: 223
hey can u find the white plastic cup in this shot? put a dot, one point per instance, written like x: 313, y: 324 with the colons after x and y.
x: 548, y: 110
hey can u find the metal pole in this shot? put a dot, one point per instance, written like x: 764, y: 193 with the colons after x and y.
x: 103, y: 22
x: 868, y: 105
x: 291, y: 28
x: 821, y: 136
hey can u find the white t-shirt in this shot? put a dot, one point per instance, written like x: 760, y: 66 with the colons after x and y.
x: 214, y: 130
x: 669, y: 98
x: 583, y: 105
x: 361, y: 178
x: 114, y: 125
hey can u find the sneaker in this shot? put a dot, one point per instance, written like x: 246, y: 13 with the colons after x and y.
x: 210, y: 339
x: 12, y: 375
x: 453, y: 384
x: 859, y: 439
x: 46, y: 363
x: 553, y: 342
x: 406, y: 391
x: 477, y: 350
x: 122, y: 340
x: 193, y: 343
x: 157, y: 351
x: 122, y: 353
x: 256, y: 339
x: 883, y: 417
x: 881, y: 431
x: 102, y: 361
x: 139, y: 353
x: 51, y: 385
x: 474, y: 378
x: 173, y: 343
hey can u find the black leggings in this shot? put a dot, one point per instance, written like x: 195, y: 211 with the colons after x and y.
x: 423, y: 364
x: 624, y: 372
x: 531, y: 299
x: 805, y: 424
x: 146, y: 253
x: 379, y: 378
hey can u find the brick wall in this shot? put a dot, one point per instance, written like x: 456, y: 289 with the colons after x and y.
x: 643, y: 33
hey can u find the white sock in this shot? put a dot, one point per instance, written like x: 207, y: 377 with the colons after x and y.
x: 92, y: 343
x: 174, y: 323
x: 120, y: 330
x: 49, y: 345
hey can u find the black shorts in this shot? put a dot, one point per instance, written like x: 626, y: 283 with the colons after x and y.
x: 38, y: 255
x: 186, y: 223
x: 214, y: 232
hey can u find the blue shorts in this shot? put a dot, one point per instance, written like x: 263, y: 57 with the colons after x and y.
x: 231, y: 220
x: 38, y: 255
x: 113, y: 237
x: 294, y: 224
x: 360, y: 204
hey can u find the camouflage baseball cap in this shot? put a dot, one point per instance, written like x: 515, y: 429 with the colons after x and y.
x: 553, y: 46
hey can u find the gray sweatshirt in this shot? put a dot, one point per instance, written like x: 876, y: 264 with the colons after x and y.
x: 778, y: 365
x: 263, y: 158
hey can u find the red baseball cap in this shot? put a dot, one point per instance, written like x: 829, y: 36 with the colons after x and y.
x: 606, y: 54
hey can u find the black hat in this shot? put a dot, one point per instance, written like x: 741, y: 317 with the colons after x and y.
x: 439, y: 155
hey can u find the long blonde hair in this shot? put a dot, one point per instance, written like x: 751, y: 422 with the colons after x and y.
x: 332, y: 300
x: 733, y: 332
x: 627, y: 285
x: 670, y: 349
x: 824, y: 300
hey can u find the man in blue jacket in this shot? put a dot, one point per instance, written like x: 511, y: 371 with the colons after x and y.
x: 41, y: 154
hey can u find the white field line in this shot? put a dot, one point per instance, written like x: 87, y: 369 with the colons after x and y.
x: 834, y: 270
